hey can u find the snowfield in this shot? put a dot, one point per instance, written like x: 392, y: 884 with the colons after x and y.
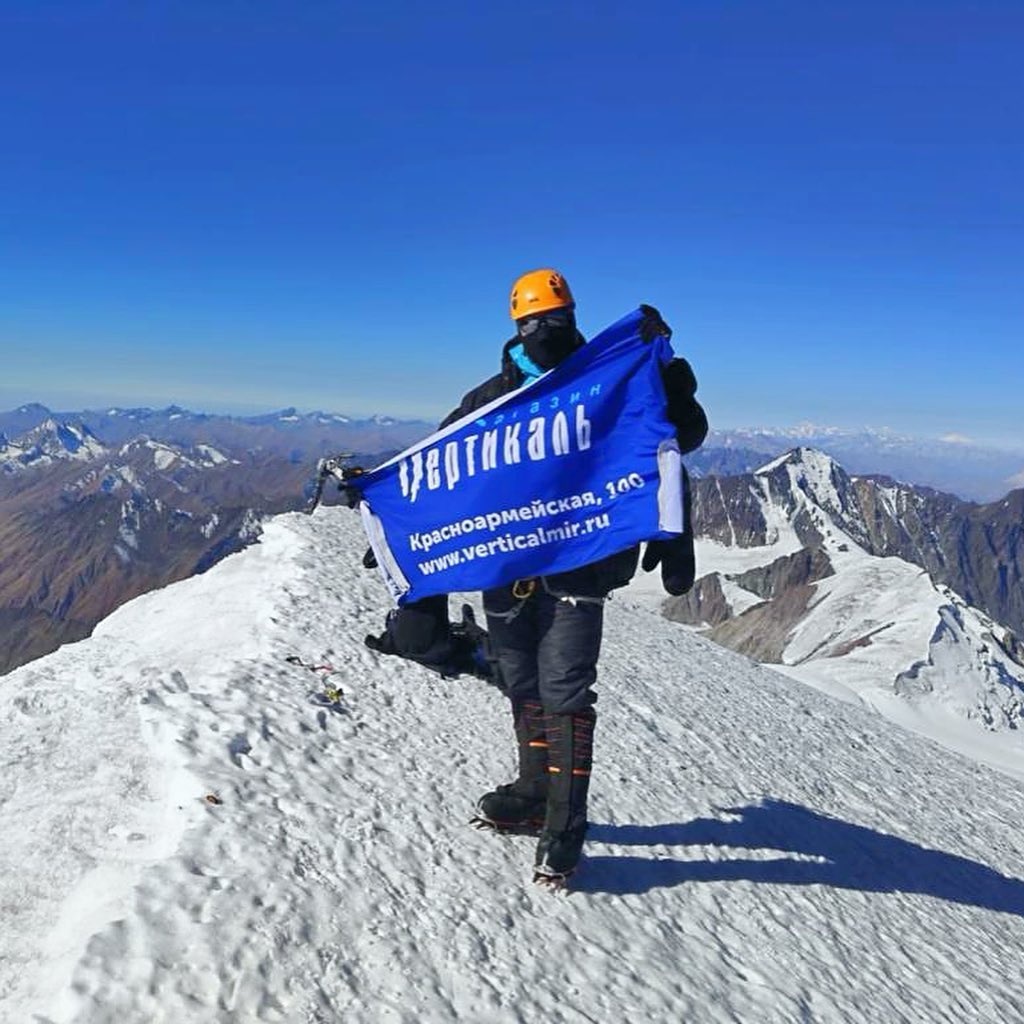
x: 188, y: 837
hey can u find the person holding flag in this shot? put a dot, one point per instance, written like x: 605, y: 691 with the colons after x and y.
x: 543, y: 593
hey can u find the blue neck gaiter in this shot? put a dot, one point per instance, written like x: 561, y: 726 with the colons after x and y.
x: 530, y: 369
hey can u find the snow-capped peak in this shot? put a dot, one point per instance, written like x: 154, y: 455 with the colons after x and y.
x: 52, y: 441
x: 812, y: 461
x: 815, y: 493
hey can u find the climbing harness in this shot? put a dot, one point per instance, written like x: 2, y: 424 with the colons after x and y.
x: 523, y: 590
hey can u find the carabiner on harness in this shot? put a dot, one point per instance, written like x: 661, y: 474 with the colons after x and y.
x: 522, y: 589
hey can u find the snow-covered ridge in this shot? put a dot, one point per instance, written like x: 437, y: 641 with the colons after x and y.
x: 167, y: 456
x: 877, y: 630
x: 197, y: 840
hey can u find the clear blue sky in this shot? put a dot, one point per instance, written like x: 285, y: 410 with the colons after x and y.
x: 247, y: 205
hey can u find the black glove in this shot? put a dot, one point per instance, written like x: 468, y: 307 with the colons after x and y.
x: 678, y: 566
x: 351, y: 495
x: 382, y: 644
x: 651, y: 325
x: 680, y: 383
x: 652, y: 555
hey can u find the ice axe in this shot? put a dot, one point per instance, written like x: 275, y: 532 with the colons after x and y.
x: 336, y: 466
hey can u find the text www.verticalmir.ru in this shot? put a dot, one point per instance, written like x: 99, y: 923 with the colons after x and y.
x: 514, y: 542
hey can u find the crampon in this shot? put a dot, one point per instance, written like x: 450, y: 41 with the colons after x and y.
x: 530, y: 827
x: 554, y: 882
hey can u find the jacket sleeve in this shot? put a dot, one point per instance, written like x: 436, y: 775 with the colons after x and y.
x: 480, y: 395
x: 684, y: 411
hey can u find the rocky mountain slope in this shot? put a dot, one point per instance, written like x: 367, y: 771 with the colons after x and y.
x: 90, y: 521
x: 977, y: 550
x: 84, y: 529
x: 805, y: 567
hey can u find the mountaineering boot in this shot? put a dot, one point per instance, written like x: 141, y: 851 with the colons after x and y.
x: 570, y: 754
x: 519, y: 806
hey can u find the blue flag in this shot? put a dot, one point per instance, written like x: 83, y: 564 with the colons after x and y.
x: 578, y: 465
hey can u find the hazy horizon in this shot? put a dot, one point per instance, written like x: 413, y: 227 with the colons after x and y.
x: 795, y: 428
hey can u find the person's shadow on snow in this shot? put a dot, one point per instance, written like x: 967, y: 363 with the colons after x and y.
x: 849, y: 857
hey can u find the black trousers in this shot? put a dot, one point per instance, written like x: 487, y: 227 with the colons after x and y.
x: 545, y: 648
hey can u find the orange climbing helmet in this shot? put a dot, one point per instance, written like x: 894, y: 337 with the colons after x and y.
x: 539, y: 291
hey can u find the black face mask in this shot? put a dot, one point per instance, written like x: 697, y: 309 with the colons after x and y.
x: 548, y: 338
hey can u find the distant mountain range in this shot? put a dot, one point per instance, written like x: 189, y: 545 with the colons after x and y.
x: 285, y: 432
x: 98, y: 507
x: 954, y: 464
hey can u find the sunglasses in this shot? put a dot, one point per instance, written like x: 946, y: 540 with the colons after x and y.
x: 555, y: 318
